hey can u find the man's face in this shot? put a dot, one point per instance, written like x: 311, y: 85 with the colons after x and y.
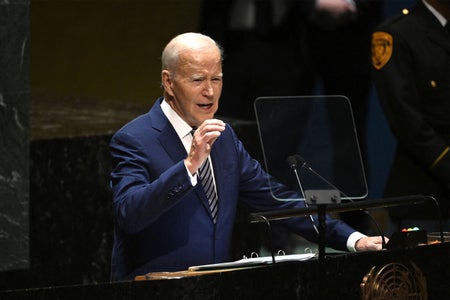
x: 195, y: 86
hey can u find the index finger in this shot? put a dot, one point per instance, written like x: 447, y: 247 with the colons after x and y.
x: 211, y: 125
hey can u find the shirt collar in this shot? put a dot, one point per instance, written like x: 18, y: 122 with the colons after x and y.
x: 440, y: 17
x: 181, y: 127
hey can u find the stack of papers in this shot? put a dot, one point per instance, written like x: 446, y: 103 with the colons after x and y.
x: 253, y: 261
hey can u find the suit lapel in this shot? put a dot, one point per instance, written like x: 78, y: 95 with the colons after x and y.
x: 176, y: 149
x: 167, y: 135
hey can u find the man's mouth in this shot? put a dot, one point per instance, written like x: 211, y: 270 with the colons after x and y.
x: 205, y: 105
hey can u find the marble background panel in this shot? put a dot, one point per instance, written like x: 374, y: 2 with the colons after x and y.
x: 14, y: 134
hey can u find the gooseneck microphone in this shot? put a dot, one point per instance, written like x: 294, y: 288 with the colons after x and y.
x: 296, y: 161
x: 301, y: 162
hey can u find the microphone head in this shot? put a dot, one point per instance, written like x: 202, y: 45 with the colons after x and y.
x: 292, y: 161
x: 300, y: 160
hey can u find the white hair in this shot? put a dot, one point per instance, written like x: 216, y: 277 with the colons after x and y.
x: 183, y: 42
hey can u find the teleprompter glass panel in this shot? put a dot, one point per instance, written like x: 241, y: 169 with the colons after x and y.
x: 310, y: 142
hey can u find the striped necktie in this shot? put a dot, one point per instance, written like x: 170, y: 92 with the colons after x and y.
x: 206, y: 177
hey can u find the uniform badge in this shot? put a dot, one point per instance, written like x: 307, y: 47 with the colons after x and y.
x: 381, y: 49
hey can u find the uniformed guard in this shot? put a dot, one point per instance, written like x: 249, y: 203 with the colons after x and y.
x: 411, y: 71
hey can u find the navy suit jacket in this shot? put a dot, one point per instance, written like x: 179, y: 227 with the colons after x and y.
x: 163, y: 223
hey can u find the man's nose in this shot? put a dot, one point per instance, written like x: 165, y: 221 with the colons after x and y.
x: 208, y: 90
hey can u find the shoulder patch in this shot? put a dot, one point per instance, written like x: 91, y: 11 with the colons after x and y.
x: 381, y: 49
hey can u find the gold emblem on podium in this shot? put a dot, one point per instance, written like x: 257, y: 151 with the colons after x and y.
x: 394, y: 281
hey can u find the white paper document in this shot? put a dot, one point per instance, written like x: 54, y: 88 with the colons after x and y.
x: 254, y: 261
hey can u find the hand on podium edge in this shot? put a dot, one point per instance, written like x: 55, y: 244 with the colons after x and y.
x: 370, y: 243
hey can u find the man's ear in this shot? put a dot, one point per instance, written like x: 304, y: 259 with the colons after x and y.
x: 166, y: 82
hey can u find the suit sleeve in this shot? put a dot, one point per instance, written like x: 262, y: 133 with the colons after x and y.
x: 140, y: 193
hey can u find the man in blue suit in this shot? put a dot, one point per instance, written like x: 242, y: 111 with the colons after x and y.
x: 163, y: 220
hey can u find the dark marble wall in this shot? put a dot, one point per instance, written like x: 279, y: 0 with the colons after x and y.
x: 14, y: 134
x: 70, y: 214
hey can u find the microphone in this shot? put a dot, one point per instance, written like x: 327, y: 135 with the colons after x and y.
x: 293, y: 162
x: 300, y: 162
x: 296, y: 161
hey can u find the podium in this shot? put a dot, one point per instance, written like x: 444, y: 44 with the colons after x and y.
x: 342, y: 277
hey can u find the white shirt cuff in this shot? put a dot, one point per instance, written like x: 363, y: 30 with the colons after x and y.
x: 352, y: 239
x: 193, y: 178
